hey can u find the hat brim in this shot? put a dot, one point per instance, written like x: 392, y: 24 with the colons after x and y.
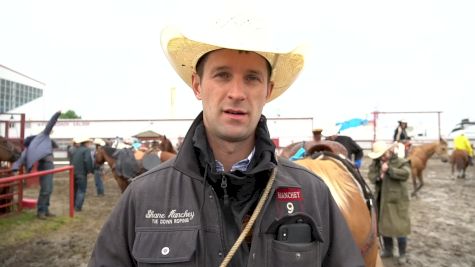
x: 81, y: 140
x: 183, y: 53
x: 376, y: 155
x: 380, y: 151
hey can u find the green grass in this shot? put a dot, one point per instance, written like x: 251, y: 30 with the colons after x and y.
x: 19, y: 227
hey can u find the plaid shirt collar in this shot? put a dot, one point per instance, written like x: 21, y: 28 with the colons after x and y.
x: 241, y: 165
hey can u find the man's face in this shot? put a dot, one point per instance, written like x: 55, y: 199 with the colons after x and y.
x: 234, y: 88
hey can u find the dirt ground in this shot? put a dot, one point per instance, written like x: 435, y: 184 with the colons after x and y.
x: 443, y: 224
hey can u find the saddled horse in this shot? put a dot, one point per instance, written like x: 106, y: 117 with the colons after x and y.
x: 459, y: 160
x: 350, y: 191
x: 127, y: 170
x: 312, y: 146
x: 419, y: 155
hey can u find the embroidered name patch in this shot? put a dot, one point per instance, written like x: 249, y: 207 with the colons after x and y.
x: 289, y: 194
x: 171, y: 217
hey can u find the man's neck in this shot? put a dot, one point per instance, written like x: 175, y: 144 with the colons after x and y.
x: 228, y: 153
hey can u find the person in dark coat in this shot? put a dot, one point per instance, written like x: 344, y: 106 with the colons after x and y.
x: 355, y: 152
x: 226, y: 199
x: 82, y: 162
x: 390, y: 173
x: 39, y: 149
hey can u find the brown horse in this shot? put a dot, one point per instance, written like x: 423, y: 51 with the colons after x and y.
x: 351, y: 193
x: 165, y: 144
x: 459, y: 160
x: 8, y: 150
x: 418, y: 157
x: 107, y: 154
x: 9, y: 153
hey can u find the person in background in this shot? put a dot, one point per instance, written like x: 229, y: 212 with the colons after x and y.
x: 198, y: 208
x: 98, y: 179
x: 390, y: 173
x: 355, y: 152
x: 39, y: 149
x: 82, y: 162
x: 70, y: 151
x: 317, y: 134
x: 461, y: 142
x: 402, y: 139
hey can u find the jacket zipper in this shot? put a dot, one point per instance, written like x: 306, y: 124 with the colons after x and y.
x: 224, y: 186
x: 220, y: 221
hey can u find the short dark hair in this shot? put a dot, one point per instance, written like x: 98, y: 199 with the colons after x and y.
x: 200, y: 65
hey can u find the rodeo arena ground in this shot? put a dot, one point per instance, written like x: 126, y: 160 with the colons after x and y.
x: 442, y: 213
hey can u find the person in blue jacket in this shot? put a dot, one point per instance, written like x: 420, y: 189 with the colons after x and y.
x: 39, y: 149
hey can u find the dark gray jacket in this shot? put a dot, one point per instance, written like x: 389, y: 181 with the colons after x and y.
x: 173, y: 216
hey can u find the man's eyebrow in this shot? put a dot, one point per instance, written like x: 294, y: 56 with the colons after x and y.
x: 223, y: 68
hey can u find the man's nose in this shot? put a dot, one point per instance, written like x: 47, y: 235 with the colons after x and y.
x: 236, y: 90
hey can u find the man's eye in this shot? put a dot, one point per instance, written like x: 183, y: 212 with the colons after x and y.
x: 223, y: 75
x: 253, y: 78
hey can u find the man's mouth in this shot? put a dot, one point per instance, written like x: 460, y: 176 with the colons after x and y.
x: 234, y: 112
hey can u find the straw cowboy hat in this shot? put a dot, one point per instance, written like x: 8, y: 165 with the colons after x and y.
x: 99, y: 141
x: 81, y: 139
x: 185, y: 47
x: 379, y: 148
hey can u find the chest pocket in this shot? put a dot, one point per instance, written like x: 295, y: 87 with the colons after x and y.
x: 175, y: 247
x: 290, y: 244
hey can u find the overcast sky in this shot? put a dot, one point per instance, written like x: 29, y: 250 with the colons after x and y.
x: 103, y: 59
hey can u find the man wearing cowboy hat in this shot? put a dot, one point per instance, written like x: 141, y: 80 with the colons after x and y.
x: 98, y: 142
x: 82, y: 162
x: 402, y: 139
x: 226, y: 200
x: 389, y: 173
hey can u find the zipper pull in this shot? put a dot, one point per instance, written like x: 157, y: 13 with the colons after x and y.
x: 224, y: 186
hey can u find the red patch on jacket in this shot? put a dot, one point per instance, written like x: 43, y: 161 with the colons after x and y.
x: 289, y: 194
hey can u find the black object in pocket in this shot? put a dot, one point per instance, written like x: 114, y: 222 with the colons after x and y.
x: 299, y: 232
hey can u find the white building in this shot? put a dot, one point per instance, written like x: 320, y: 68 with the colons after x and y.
x: 17, y: 89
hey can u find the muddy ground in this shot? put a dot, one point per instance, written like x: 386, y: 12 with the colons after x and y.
x: 443, y: 224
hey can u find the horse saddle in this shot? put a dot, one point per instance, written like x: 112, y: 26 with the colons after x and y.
x: 150, y: 161
x: 126, y: 165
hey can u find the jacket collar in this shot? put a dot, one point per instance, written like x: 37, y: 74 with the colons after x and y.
x: 195, y: 154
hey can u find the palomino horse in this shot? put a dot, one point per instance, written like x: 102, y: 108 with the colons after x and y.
x: 418, y: 157
x: 108, y: 154
x: 459, y: 161
x: 351, y: 193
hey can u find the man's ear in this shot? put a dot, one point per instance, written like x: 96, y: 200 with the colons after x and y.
x: 196, y: 85
x: 270, y: 87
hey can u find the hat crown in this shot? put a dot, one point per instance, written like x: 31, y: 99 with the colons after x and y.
x: 378, y: 149
x: 379, y: 146
x: 184, y: 46
x: 99, y: 141
x: 81, y: 139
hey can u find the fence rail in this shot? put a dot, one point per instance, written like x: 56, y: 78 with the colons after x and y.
x: 18, y: 180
